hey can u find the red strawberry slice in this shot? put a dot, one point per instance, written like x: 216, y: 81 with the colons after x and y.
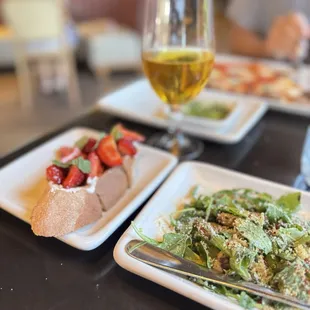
x: 84, y: 155
x: 108, y: 153
x: 64, y: 151
x: 55, y: 174
x: 74, y: 178
x: 68, y: 154
x: 126, y: 147
x: 129, y: 135
x: 96, y: 168
x: 89, y: 145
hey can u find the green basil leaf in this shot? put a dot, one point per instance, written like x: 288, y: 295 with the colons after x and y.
x: 60, y: 164
x: 82, y: 164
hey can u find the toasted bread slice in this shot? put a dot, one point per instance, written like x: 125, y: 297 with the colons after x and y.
x: 61, y: 211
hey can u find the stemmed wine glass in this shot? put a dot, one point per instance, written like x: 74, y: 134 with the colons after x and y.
x: 178, y: 56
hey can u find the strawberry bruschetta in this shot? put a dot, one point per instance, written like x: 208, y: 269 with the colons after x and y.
x: 85, y: 180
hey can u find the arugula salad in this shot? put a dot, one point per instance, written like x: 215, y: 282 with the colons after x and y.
x: 246, y: 234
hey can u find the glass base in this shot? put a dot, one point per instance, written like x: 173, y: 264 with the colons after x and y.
x: 183, y: 147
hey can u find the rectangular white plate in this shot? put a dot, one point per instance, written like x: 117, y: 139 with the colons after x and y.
x: 164, y: 202
x: 23, y: 181
x: 274, y: 104
x: 138, y: 102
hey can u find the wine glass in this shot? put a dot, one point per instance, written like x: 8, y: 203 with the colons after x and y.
x: 178, y: 57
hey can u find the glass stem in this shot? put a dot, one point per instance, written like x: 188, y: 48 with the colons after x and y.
x: 175, y: 117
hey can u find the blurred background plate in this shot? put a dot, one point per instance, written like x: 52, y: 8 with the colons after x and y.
x: 298, y: 108
x: 138, y: 102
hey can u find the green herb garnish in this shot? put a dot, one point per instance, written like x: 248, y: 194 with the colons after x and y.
x: 116, y: 133
x: 80, y: 162
x: 60, y: 164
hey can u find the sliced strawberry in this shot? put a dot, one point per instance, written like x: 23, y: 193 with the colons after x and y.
x: 126, y: 147
x: 95, y: 165
x: 128, y: 134
x: 74, y: 178
x: 108, y: 153
x: 84, y: 155
x: 70, y: 154
x: 64, y: 151
x: 89, y: 145
x: 55, y: 174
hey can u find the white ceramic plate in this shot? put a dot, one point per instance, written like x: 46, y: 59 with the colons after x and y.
x: 164, y: 202
x: 138, y: 102
x: 23, y: 181
x: 275, y: 104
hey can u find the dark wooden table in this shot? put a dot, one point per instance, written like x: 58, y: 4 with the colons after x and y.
x: 41, y: 273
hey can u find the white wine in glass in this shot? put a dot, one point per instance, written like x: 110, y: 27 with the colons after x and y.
x: 178, y: 57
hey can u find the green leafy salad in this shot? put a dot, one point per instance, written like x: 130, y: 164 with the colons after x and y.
x: 210, y: 109
x: 246, y: 234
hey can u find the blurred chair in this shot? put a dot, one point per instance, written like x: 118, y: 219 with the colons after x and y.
x: 110, y: 47
x: 106, y: 48
x: 32, y: 22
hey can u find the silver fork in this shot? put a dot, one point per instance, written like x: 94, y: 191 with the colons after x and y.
x: 162, y: 259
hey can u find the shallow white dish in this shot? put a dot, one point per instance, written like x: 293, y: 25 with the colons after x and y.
x: 138, y: 102
x: 164, y: 202
x: 23, y: 181
x: 275, y: 104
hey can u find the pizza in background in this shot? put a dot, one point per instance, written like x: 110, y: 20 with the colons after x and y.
x: 255, y: 79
